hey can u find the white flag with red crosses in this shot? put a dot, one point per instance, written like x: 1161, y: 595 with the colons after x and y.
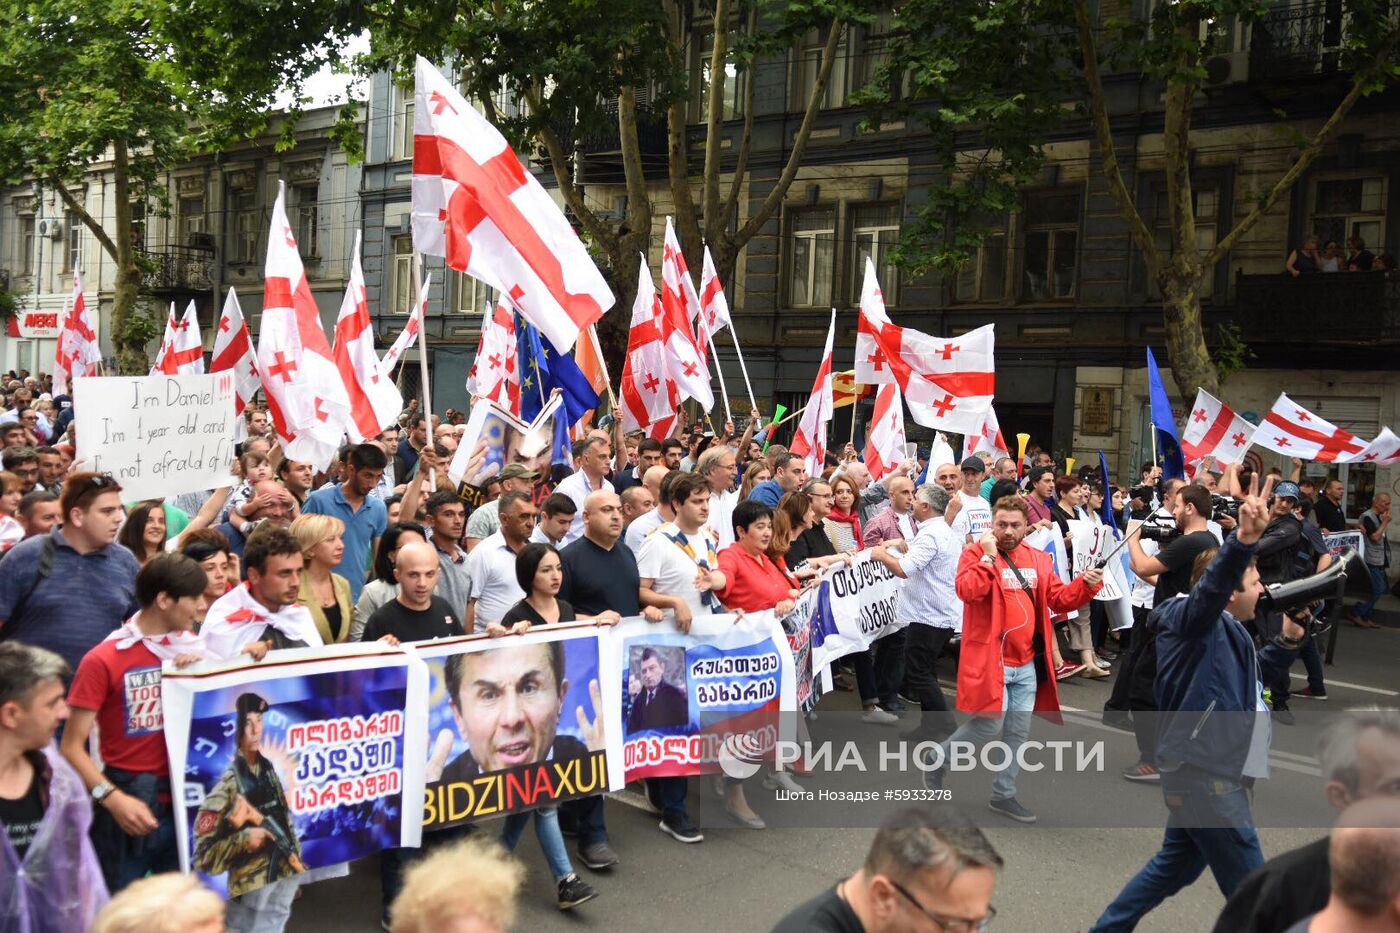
x: 948, y: 384
x: 680, y: 308
x: 77, y: 353
x: 884, y: 449
x: 809, y: 440
x: 476, y: 205
x: 305, y: 395
x: 495, y: 374
x: 375, y: 401
x: 648, y: 392
x: 1385, y: 449
x: 1293, y: 431
x: 986, y: 439
x: 1213, y: 429
x: 233, y: 350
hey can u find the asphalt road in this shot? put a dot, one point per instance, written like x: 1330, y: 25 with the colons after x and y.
x: 1095, y: 831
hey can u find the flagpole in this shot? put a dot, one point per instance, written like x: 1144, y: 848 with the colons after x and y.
x: 742, y: 368
x: 719, y: 370
x: 423, y: 357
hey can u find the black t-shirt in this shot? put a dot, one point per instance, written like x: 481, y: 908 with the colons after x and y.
x: 596, y: 580
x: 405, y: 624
x: 1286, y: 889
x: 1179, y: 557
x: 524, y: 612
x: 1328, y: 515
x: 21, y: 817
x: 811, y: 543
x: 826, y: 913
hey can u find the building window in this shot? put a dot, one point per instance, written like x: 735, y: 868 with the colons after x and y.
x: 1346, y: 207
x: 305, y: 225
x: 984, y: 278
x: 246, y: 225
x: 26, y: 244
x: 1207, y: 202
x: 1051, y: 246
x: 138, y: 224
x: 470, y: 295
x: 875, y: 231
x: 191, y: 219
x: 872, y: 51
x: 809, y: 65
x: 401, y: 146
x: 73, y: 233
x: 704, y: 44
x: 813, y: 257
x: 405, y: 288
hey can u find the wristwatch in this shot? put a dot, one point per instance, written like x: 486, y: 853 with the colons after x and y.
x: 988, y: 559
x: 102, y: 791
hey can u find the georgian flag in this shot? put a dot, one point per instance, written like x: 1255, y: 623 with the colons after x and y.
x: 167, y: 343
x: 375, y: 401
x: 714, y: 307
x: 1294, y: 431
x: 495, y: 374
x: 409, y: 335
x: 809, y: 441
x: 1213, y: 429
x: 948, y: 383
x: 680, y: 307
x: 77, y: 353
x: 236, y: 620
x: 986, y: 438
x: 188, y: 356
x: 1383, y: 450
x: 233, y: 350
x: 884, y: 448
x: 305, y: 395
x: 475, y: 205
x: 648, y: 393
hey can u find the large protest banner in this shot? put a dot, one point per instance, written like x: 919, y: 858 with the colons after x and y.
x: 855, y: 608
x: 157, y: 435
x: 692, y: 698
x: 520, y: 721
x: 1091, y: 542
x: 304, y: 761
x: 799, y: 625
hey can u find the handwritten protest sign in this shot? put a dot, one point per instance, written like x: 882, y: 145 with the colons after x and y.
x: 157, y: 435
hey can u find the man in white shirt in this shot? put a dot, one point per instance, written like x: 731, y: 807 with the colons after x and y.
x: 928, y: 603
x: 491, y: 565
x: 720, y: 468
x: 679, y: 574
x: 556, y: 517
x: 638, y: 531
x: 975, y: 519
x: 594, y: 463
x: 486, y: 519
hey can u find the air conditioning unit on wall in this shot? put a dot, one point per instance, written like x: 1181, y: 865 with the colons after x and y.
x: 51, y: 227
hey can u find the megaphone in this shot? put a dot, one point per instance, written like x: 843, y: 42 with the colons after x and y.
x: 1283, y: 597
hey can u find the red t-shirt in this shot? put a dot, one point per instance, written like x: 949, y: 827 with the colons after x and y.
x: 753, y: 584
x: 123, y: 688
x: 1018, y: 648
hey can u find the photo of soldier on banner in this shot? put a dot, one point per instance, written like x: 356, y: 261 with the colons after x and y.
x: 281, y: 769
x: 520, y: 721
x: 687, y: 695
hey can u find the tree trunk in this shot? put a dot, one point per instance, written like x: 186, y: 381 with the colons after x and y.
x: 131, y: 354
x: 1192, y: 367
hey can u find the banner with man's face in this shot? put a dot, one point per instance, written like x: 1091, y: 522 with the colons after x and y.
x: 705, y: 700
x: 304, y: 761
x: 520, y: 721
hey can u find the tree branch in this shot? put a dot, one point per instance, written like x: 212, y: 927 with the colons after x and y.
x: 88, y: 221
x: 715, y: 112
x: 559, y: 164
x: 1098, y: 111
x: 799, y: 143
x: 1310, y: 152
x: 716, y: 227
x: 677, y: 144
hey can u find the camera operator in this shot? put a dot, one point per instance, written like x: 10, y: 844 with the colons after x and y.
x: 1211, y: 744
x: 1360, y: 757
x: 1276, y: 556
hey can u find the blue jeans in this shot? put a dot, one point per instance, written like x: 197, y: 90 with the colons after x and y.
x: 588, y: 819
x: 1378, y: 588
x: 672, y: 791
x: 1014, y: 725
x: 546, y: 831
x: 1208, y: 823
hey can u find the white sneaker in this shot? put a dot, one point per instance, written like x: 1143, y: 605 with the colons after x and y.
x: 879, y: 717
x: 781, y: 780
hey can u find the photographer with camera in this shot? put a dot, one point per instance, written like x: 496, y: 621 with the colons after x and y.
x: 1277, y: 560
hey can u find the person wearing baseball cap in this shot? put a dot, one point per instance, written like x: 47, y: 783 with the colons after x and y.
x: 974, y: 518
x: 486, y: 520
x: 1275, y: 558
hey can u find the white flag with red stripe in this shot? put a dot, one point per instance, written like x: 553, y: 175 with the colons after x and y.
x: 474, y: 203
x: 1385, y: 449
x: 375, y: 401
x: 680, y: 308
x: 809, y: 441
x: 495, y: 372
x: 1215, y: 430
x: 648, y: 392
x: 884, y: 448
x: 305, y: 395
x: 187, y: 358
x: 714, y: 307
x: 77, y: 352
x: 233, y: 350
x: 409, y: 335
x: 167, y: 344
x: 1294, y: 431
x: 948, y: 383
x: 986, y: 439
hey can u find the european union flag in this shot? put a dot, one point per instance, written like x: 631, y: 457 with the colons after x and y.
x: 544, y: 369
x: 1106, y: 512
x: 1168, y: 443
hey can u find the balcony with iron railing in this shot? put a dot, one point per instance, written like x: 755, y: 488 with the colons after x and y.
x: 172, y: 269
x: 1297, y: 42
x: 1340, y: 308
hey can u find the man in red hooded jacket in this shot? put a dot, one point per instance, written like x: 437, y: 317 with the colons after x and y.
x: 1008, y: 590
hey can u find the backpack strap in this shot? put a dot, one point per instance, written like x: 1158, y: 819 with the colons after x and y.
x: 42, y: 572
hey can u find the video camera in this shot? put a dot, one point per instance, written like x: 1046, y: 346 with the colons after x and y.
x: 1159, y: 533
x: 1224, y: 506
x: 1300, y: 594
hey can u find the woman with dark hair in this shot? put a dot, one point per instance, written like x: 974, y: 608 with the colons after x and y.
x: 384, y: 587
x: 144, y: 531
x: 1071, y: 494
x: 210, y: 549
x: 842, y: 523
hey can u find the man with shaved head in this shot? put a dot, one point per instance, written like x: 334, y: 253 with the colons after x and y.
x: 636, y: 502
x: 948, y: 476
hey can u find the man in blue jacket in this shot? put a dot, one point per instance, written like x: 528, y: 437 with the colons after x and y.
x: 1213, y: 740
